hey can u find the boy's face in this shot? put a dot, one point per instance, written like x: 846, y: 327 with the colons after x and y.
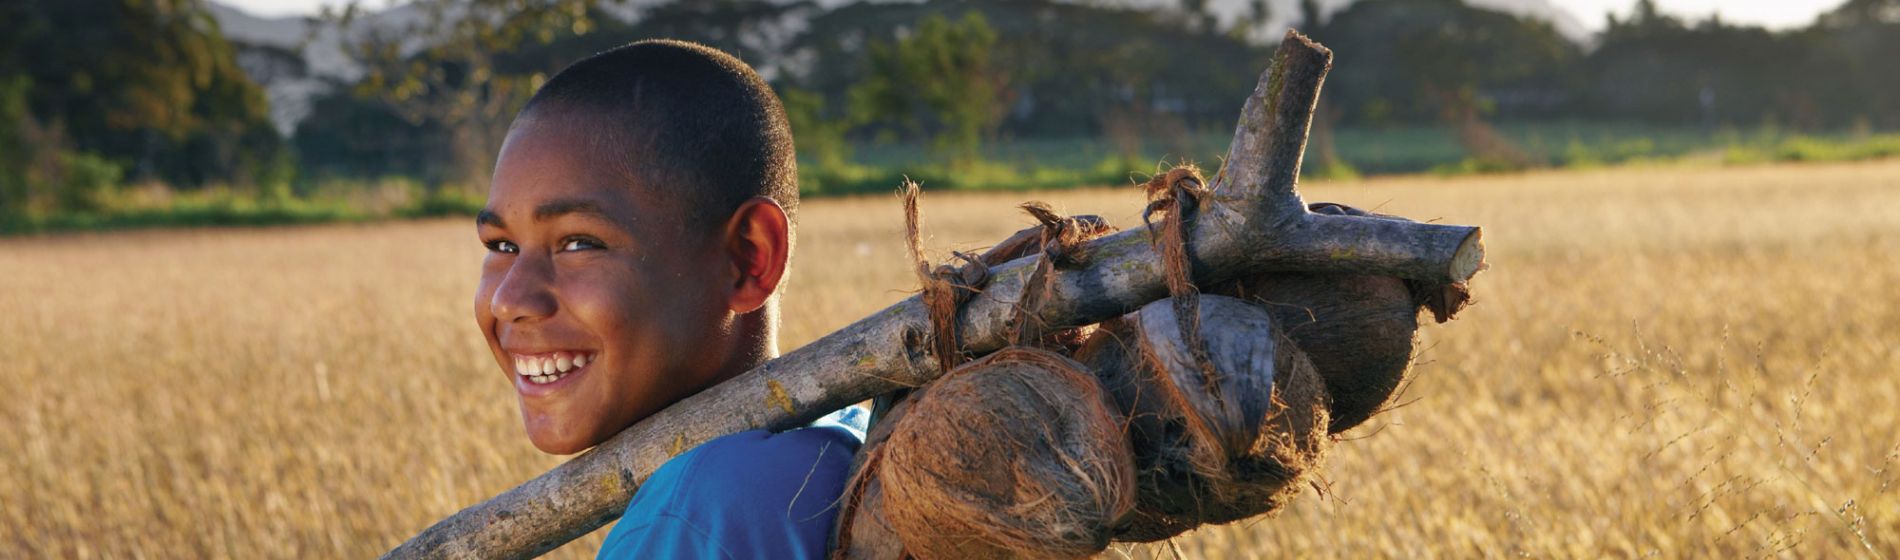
x: 598, y: 301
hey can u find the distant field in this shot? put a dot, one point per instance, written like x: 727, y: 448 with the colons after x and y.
x: 1662, y: 361
x: 1011, y: 164
x: 1419, y: 148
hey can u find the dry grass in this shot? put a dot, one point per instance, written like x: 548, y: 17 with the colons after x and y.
x: 1663, y: 361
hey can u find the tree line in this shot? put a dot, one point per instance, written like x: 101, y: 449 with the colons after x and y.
x: 96, y: 93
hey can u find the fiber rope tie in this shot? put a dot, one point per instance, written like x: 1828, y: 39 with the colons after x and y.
x: 1176, y: 195
x: 945, y: 288
x: 1060, y: 246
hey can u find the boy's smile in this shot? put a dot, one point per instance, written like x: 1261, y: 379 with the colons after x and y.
x: 549, y: 367
x: 598, y: 300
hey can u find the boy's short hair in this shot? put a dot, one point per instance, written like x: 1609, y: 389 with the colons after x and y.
x: 695, y: 125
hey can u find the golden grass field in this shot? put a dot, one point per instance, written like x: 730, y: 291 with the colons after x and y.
x: 1663, y: 361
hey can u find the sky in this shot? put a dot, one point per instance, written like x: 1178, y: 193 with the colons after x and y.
x: 1775, y: 14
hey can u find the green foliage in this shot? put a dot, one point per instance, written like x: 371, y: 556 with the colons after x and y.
x: 122, y: 209
x: 37, y: 178
x: 818, y: 137
x: 1814, y: 148
x: 456, y: 83
x: 445, y: 202
x: 15, y: 150
x: 936, y: 82
x: 1422, y: 61
x: 208, y: 207
x: 363, y: 138
x: 84, y: 182
x: 749, y: 29
x: 960, y: 94
x: 150, y: 85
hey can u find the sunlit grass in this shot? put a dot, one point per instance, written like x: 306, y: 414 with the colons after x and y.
x: 1663, y: 360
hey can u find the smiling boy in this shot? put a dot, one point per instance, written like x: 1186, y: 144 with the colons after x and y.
x: 639, y: 227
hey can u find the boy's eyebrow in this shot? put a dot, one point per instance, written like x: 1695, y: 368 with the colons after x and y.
x: 558, y: 207
x: 547, y: 210
x: 489, y: 218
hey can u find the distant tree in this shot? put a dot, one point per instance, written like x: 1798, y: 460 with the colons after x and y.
x: 1661, y: 69
x: 1073, y: 68
x: 1854, y: 48
x: 1251, y: 22
x: 1198, y: 16
x: 441, y: 70
x: 16, y: 152
x: 1644, y: 20
x: 151, y: 86
x: 938, y: 81
x: 1310, y: 16
x: 1862, y: 12
x: 353, y: 136
x: 1422, y: 60
x: 756, y: 31
x: 819, y: 135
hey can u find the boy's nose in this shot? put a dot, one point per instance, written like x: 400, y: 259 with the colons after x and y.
x: 525, y: 294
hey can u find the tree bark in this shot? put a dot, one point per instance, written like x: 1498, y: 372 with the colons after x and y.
x: 1254, y: 222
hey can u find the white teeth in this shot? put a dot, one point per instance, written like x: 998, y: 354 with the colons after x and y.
x: 550, y: 368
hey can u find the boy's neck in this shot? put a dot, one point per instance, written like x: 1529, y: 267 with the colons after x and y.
x: 756, y: 344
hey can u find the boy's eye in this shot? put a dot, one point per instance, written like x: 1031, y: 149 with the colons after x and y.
x: 501, y: 246
x: 579, y: 244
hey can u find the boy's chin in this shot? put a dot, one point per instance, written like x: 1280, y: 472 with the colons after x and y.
x: 560, y: 448
x: 550, y: 436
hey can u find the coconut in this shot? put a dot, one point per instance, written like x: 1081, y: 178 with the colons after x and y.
x: 1359, y: 330
x: 1019, y: 454
x: 862, y: 531
x: 1212, y: 444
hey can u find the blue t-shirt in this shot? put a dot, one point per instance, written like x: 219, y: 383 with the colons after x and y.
x: 753, y: 494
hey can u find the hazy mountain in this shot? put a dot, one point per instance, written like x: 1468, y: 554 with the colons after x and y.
x: 1547, y: 10
x: 325, y: 63
x: 1285, y: 13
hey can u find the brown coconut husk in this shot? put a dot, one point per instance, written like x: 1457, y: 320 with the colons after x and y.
x: 1210, y: 453
x: 862, y: 531
x: 945, y: 288
x: 1019, y: 454
x: 1359, y: 330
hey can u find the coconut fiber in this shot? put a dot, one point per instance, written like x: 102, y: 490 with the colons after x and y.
x: 862, y: 531
x: 1209, y: 452
x: 1019, y: 454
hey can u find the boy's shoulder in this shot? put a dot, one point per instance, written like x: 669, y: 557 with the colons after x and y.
x: 752, y: 494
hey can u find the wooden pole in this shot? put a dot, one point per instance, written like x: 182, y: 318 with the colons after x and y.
x: 1255, y: 222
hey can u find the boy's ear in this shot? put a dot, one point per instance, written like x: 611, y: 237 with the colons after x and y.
x: 758, y: 244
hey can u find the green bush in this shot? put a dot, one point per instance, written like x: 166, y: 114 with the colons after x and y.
x: 445, y: 202
x: 85, y: 182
